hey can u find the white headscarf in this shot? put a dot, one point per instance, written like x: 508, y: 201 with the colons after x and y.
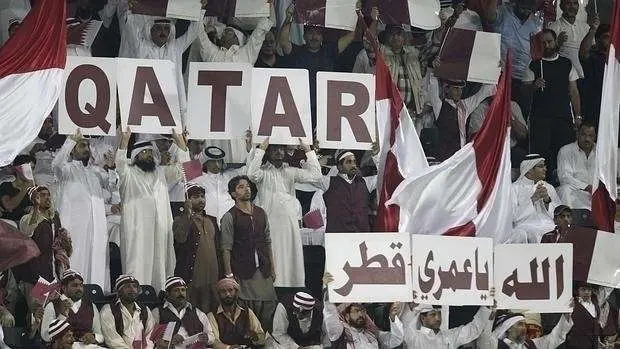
x: 529, y: 162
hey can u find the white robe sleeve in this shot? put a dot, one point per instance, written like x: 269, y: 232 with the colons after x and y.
x: 209, y: 51
x: 173, y: 171
x: 97, y: 325
x: 311, y: 172
x: 394, y: 338
x: 185, y: 40
x: 280, y: 327
x: 467, y: 333
x: 122, y: 163
x: 206, y: 326
x: 566, y: 172
x: 557, y: 335
x: 248, y: 53
x: 61, y: 160
x: 255, y: 173
x: 331, y: 319
x: 112, y: 338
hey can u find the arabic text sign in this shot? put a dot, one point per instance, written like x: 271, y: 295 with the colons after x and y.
x: 452, y: 270
x: 534, y: 276
x: 375, y: 267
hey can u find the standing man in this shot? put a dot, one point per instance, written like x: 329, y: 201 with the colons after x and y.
x: 247, y: 253
x: 71, y: 306
x: 189, y: 320
x: 125, y: 323
x: 234, y: 326
x: 298, y: 324
x: 81, y: 204
x: 147, y: 243
x: 593, y: 54
x: 562, y: 218
x: 576, y: 168
x: 534, y: 200
x: 570, y: 33
x: 553, y: 84
x: 276, y: 195
x: 194, y: 245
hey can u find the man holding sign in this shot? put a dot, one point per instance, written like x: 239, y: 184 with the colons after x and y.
x: 276, y: 195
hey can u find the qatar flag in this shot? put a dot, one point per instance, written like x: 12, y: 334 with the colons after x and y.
x: 31, y: 74
x: 604, y: 188
x: 468, y: 194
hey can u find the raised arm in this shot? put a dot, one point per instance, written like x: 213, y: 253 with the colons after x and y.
x: 173, y: 171
x: 185, y: 40
x: 61, y: 160
x: 312, y: 169
x: 557, y: 335
x: 249, y: 52
x: 284, y: 37
x: 471, y: 331
x: 588, y: 40
x: 255, y: 173
x: 121, y: 161
x: 393, y: 338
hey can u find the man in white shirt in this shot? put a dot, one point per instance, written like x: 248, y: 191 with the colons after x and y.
x: 352, y: 328
x: 72, y: 307
x: 576, y: 167
x: 534, y: 201
x: 297, y: 324
x: 570, y: 32
x: 192, y: 325
x: 124, y: 323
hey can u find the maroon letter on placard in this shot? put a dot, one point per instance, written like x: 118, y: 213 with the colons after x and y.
x: 94, y: 116
x: 220, y: 80
x: 145, y: 76
x: 335, y: 110
x: 278, y: 86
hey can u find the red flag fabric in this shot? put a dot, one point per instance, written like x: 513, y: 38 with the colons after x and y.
x: 44, y: 290
x: 192, y: 169
x: 15, y: 247
x: 536, y: 46
x: 605, y: 187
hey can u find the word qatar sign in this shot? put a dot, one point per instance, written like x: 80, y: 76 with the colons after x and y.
x: 375, y: 268
x: 534, y: 276
x: 451, y: 270
x: 147, y: 90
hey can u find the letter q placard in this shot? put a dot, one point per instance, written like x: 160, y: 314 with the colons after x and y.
x: 88, y: 98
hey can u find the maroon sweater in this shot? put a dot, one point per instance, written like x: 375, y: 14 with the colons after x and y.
x: 82, y: 321
x: 347, y: 205
x: 249, y: 237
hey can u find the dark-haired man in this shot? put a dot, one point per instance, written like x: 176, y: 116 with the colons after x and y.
x: 593, y: 57
x: 246, y: 251
x: 562, y: 217
x: 570, y: 32
x: 71, y: 306
x: 576, y: 168
x: 147, y: 242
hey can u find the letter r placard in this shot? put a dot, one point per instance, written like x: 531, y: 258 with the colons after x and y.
x: 345, y: 110
x: 88, y: 97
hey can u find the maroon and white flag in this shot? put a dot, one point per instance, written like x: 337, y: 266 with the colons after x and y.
x: 238, y: 8
x: 595, y: 255
x: 15, y: 247
x: 470, y: 55
x: 31, y: 71
x: 604, y: 188
x: 338, y: 14
x: 181, y: 9
x: 423, y: 14
x: 468, y: 194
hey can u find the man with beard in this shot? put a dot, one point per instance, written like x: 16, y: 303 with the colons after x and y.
x: 189, y: 320
x: 194, y: 244
x: 246, y: 251
x: 576, y: 167
x: 125, y: 323
x: 347, y: 196
x: 78, y: 311
x: 509, y: 332
x: 297, y: 324
x: 234, y: 326
x: 553, y: 82
x: 43, y: 151
x: 147, y: 241
x: 562, y: 218
x: 276, y: 195
x: 81, y: 205
x: 570, y: 32
x: 352, y: 328
x: 534, y: 201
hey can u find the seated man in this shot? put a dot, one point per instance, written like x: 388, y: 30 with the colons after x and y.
x: 509, y: 331
x: 61, y: 336
x: 562, y: 218
x: 576, y: 167
x: 534, y: 200
x: 353, y: 328
x: 190, y: 321
x: 125, y: 323
x: 297, y: 324
x: 234, y: 326
x: 72, y: 307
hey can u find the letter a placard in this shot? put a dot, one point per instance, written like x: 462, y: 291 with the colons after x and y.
x: 281, y: 106
x: 148, y: 96
x: 345, y: 110
x: 218, y: 100
x: 88, y: 98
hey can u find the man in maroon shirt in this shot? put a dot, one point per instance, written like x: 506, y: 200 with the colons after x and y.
x: 562, y: 219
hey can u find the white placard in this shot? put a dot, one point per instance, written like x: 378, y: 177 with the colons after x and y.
x: 538, y: 277
x: 340, y: 14
x: 166, y: 103
x: 450, y: 270
x: 374, y: 267
x: 88, y: 100
x: 339, y: 94
x: 214, y: 88
x: 284, y: 93
x: 184, y: 9
x: 252, y: 8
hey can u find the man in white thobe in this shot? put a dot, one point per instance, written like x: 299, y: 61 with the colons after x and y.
x: 508, y: 331
x: 570, y: 32
x: 576, y: 168
x: 44, y: 154
x: 276, y: 195
x: 147, y: 241
x: 80, y: 201
x: 155, y: 38
x: 534, y: 201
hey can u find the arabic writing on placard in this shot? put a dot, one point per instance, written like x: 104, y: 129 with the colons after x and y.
x: 533, y: 289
